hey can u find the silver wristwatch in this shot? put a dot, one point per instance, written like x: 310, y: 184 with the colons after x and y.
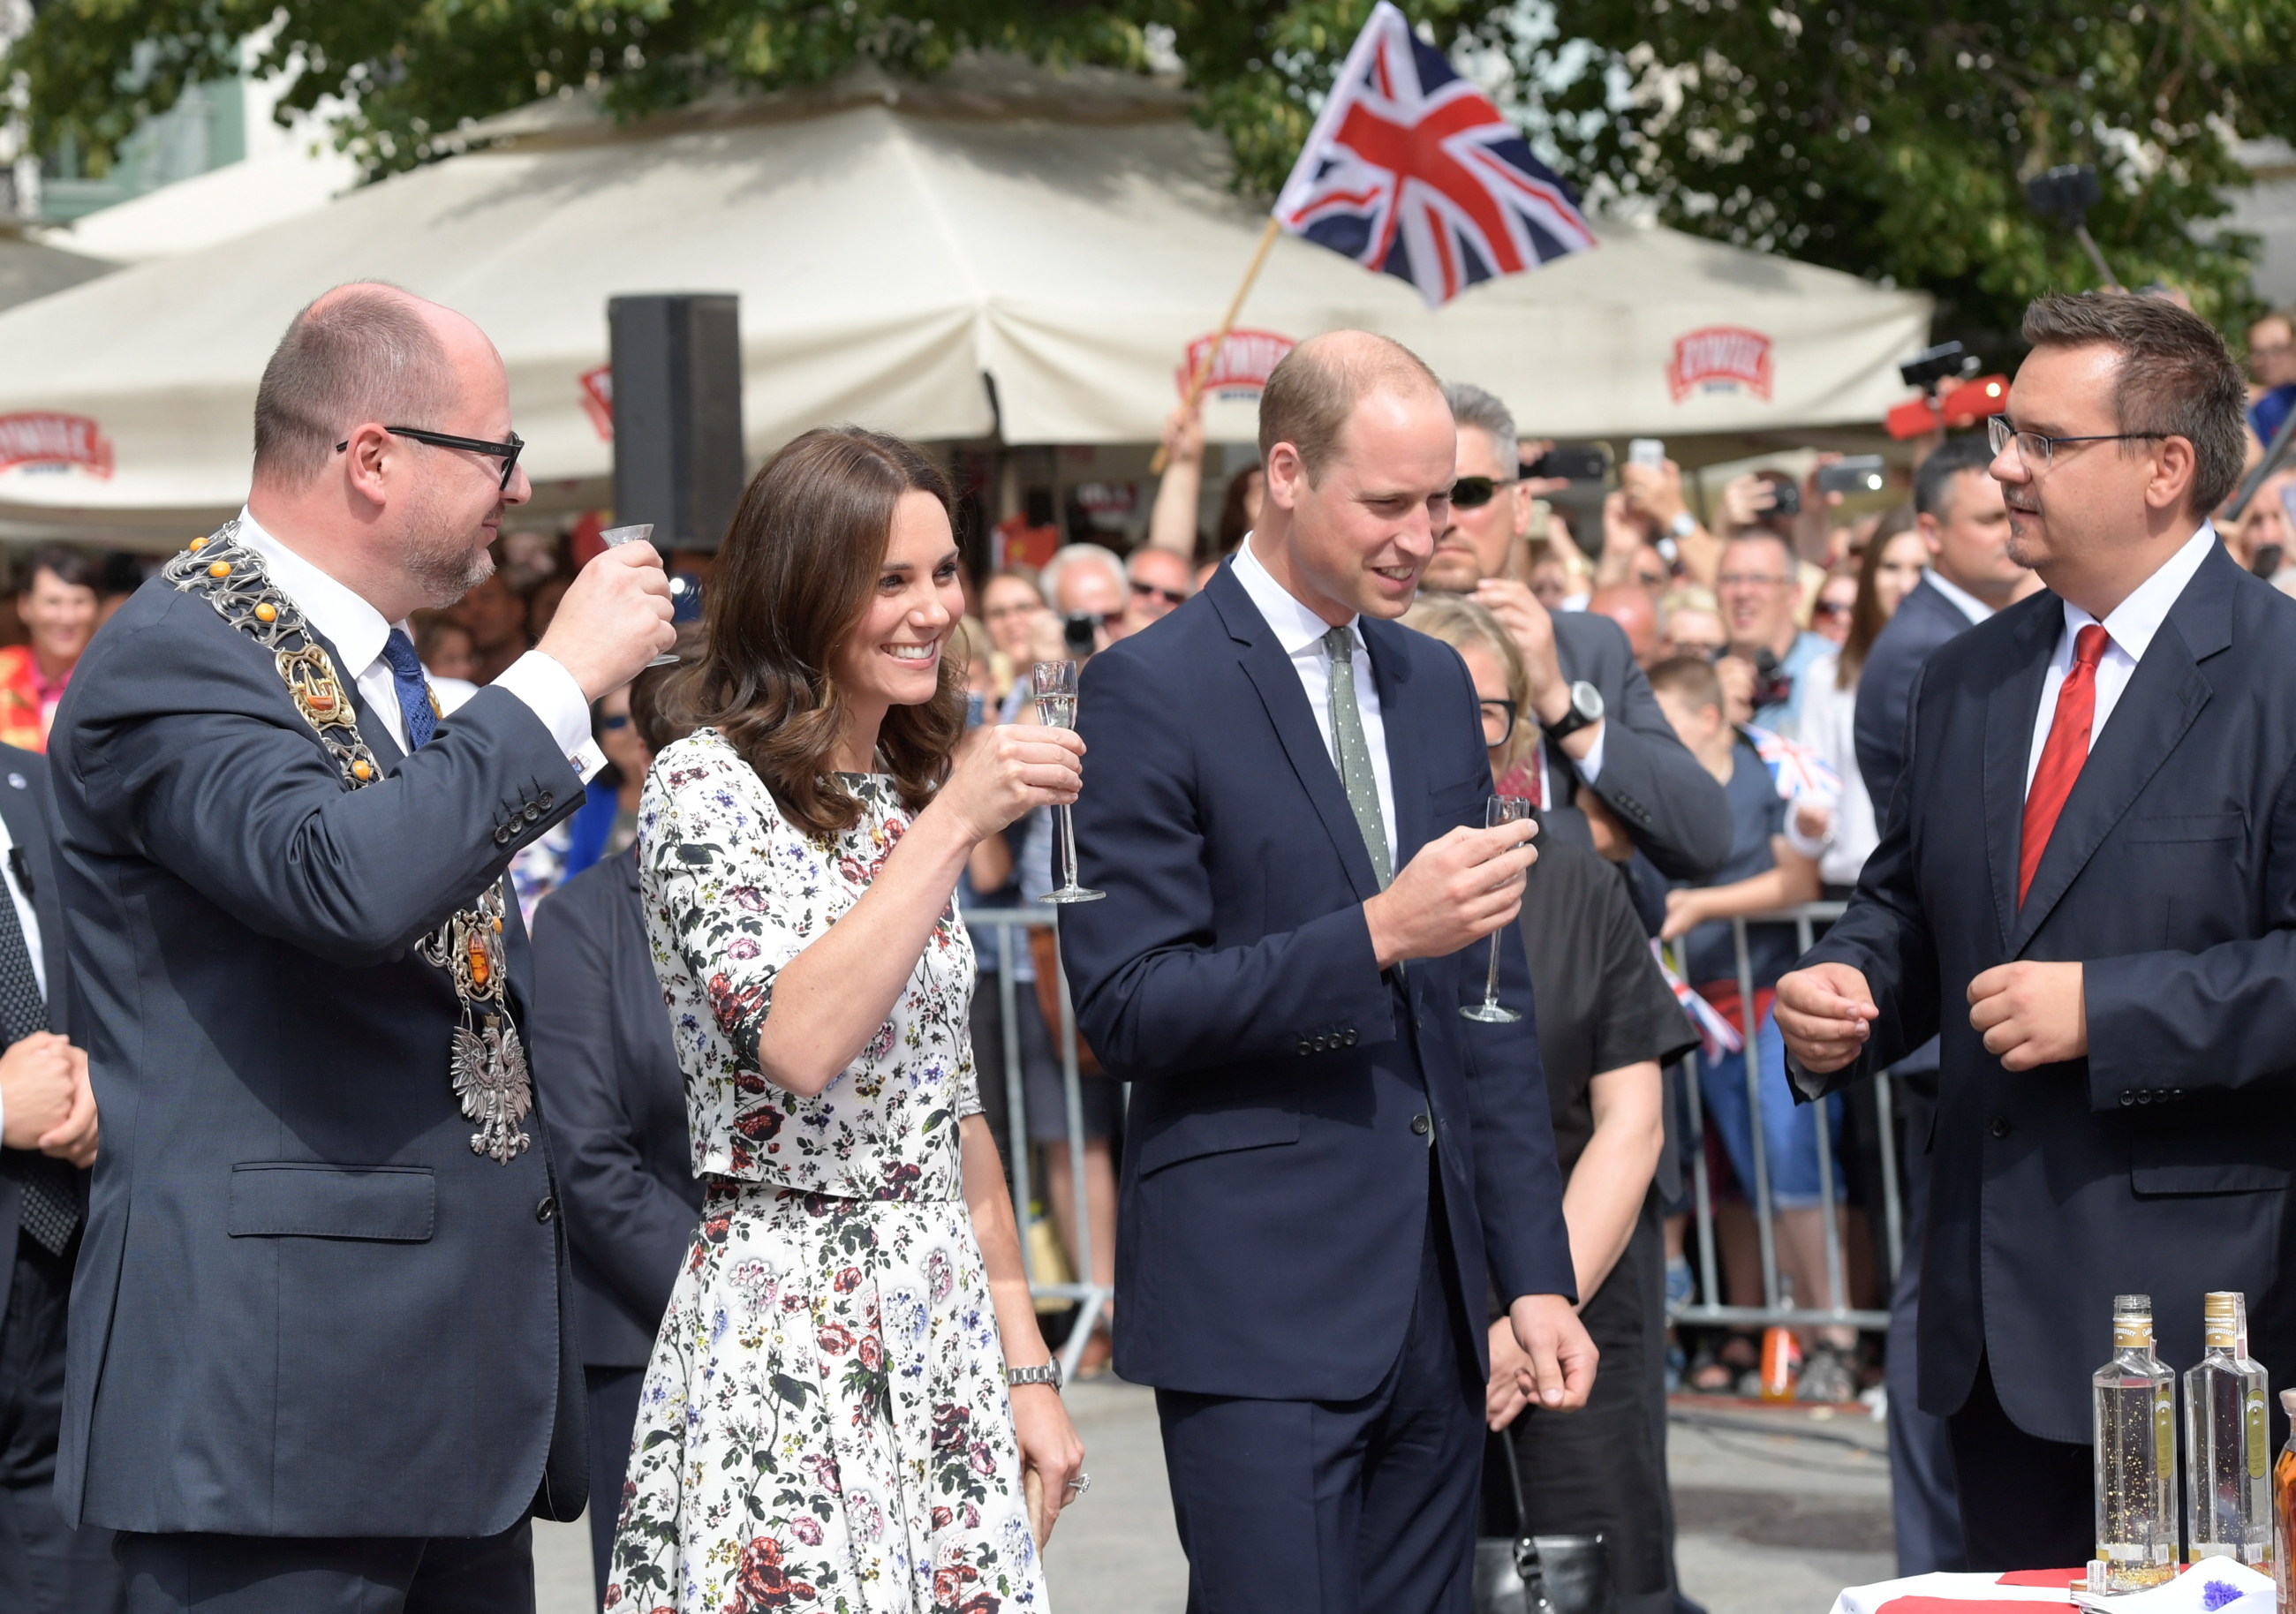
x: 1586, y: 707
x: 1048, y: 1374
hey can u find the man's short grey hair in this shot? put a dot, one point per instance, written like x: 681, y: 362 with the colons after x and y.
x: 360, y: 353
x: 1471, y: 406
x: 1081, y: 554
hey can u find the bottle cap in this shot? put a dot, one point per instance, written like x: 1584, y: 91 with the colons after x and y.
x: 2288, y: 1402
x: 2221, y: 1319
x: 2132, y: 1322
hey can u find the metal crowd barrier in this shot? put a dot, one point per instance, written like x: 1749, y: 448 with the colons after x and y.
x: 1804, y: 918
x: 1091, y: 1299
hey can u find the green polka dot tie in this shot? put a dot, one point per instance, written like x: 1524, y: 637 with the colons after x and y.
x: 1355, y: 775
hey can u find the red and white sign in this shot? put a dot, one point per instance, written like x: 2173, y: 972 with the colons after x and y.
x: 598, y: 400
x: 1719, y: 356
x: 54, y: 440
x: 1245, y: 360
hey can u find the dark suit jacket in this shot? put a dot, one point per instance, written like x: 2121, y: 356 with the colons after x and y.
x: 1924, y: 619
x: 2161, y: 1163
x: 1669, y: 806
x: 27, y: 806
x: 1275, y: 1191
x: 602, y: 1051
x: 303, y: 1305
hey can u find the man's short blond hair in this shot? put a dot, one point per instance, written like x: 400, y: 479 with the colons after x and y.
x: 1312, y: 393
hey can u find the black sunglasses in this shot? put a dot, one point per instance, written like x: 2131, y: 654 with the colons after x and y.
x: 1170, y: 596
x: 1474, y: 492
x: 507, y: 452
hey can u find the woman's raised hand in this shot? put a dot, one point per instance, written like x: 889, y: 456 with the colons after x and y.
x: 1003, y: 771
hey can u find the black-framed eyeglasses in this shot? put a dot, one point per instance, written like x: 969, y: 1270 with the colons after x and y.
x: 2036, y: 450
x: 1474, y: 492
x: 506, y: 452
x: 1170, y: 596
x: 1503, y: 714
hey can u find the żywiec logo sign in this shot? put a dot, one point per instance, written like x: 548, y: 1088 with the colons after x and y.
x: 1717, y: 358
x: 44, y: 439
x: 1245, y: 359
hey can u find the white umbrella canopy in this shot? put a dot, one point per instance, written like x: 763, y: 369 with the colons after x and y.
x: 892, y: 248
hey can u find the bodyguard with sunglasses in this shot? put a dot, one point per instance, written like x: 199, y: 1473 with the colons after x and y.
x: 2087, y: 888
x: 320, y: 1352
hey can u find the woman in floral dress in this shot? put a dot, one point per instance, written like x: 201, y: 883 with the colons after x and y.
x: 826, y: 1422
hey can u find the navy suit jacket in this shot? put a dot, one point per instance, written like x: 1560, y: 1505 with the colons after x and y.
x: 303, y: 1305
x: 28, y: 808
x: 1668, y: 805
x: 601, y: 1052
x: 1275, y: 1187
x: 1924, y: 619
x: 2159, y: 1164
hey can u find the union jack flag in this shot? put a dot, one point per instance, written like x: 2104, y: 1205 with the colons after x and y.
x: 1412, y: 171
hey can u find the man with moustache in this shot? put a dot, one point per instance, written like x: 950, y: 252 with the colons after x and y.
x: 321, y: 1354
x: 1326, y: 1166
x: 1607, y: 747
x: 2087, y: 887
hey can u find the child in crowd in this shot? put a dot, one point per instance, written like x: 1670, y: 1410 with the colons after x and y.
x: 1773, y: 864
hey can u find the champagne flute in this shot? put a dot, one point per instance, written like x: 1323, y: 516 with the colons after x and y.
x: 613, y: 538
x: 1499, y: 810
x: 1054, y: 686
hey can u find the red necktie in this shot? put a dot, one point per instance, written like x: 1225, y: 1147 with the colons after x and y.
x: 2061, y: 755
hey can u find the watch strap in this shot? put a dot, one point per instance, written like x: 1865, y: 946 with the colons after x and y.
x: 1047, y: 1372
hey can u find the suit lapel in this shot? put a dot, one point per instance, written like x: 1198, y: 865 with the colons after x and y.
x: 1272, y: 674
x: 1390, y: 671
x: 2009, y: 716
x: 26, y: 815
x: 2164, y: 695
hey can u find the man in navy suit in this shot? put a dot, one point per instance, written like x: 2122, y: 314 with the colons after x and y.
x: 322, y: 1352
x: 1326, y: 1164
x: 2087, y: 887
x: 49, y: 1135
x: 1959, y: 511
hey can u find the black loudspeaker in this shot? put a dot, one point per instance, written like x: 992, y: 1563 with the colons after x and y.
x: 677, y: 414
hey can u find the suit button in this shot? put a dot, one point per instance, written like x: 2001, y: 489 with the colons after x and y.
x: 2127, y: 1097
x: 1998, y: 1125
x: 1420, y: 1127
x: 502, y: 834
x: 1304, y: 1047
x: 548, y: 1208
x: 533, y: 812
x: 1349, y: 1039
x: 545, y: 801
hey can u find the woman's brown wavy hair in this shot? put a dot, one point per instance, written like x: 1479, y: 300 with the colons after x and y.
x: 798, y: 568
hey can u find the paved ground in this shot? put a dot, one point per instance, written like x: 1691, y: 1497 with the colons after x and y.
x: 1778, y: 1511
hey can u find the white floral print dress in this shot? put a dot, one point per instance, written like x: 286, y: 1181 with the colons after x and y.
x: 824, y: 1423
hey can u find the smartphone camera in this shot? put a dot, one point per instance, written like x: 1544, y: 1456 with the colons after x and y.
x: 1077, y: 632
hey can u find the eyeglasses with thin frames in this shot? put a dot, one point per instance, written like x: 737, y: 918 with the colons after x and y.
x: 506, y: 452
x: 2038, y: 451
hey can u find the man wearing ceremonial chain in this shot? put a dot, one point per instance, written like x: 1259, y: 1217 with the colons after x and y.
x: 319, y: 1355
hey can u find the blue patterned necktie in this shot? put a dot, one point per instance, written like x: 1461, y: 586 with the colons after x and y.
x: 414, y: 689
x: 1354, y: 754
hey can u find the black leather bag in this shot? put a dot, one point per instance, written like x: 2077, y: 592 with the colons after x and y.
x: 1529, y: 1574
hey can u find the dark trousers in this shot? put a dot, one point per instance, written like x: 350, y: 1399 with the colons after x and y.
x: 1339, y: 1507
x: 1922, y: 1504
x: 1603, y: 1467
x: 330, y: 1575
x: 613, y: 1415
x: 45, y: 1566
x: 2026, y: 1502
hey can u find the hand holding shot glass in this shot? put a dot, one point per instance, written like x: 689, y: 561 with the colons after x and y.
x: 613, y: 538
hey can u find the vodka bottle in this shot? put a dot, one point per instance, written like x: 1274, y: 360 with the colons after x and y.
x: 2228, y: 1447
x: 2135, y: 1399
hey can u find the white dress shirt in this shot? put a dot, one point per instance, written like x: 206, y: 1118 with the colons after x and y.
x: 1300, y: 632
x: 2129, y: 631
x: 358, y: 632
x: 1967, y: 604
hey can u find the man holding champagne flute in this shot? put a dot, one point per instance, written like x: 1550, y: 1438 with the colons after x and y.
x: 1328, y: 1163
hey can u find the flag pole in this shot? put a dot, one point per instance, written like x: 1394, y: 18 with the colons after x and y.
x: 1211, y: 352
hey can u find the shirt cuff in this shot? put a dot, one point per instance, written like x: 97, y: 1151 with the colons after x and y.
x: 550, y: 693
x: 1590, y: 766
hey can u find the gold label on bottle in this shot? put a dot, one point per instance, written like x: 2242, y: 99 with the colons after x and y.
x: 2256, y: 1437
x: 2164, y: 1429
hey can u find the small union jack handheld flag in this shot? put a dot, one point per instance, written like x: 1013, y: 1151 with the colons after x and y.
x: 1410, y: 170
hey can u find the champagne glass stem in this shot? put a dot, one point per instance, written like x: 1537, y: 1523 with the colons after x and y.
x: 1067, y: 848
x: 1491, y: 982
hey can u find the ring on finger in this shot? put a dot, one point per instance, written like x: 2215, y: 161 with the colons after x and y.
x: 1080, y: 1484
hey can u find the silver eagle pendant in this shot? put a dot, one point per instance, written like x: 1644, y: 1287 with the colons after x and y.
x: 491, y: 1080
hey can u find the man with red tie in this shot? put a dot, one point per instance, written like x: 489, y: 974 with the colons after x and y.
x: 2087, y: 887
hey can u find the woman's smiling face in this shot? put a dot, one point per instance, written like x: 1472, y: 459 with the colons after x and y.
x: 892, y: 656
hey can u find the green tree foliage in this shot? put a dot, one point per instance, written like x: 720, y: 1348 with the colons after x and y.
x: 1885, y: 137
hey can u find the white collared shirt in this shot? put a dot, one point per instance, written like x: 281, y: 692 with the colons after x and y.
x: 1300, y: 632
x: 2129, y: 631
x: 1967, y: 604
x: 358, y: 632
